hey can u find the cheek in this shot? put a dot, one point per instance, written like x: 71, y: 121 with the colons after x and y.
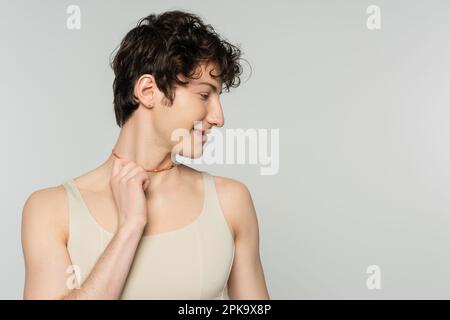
x: 179, y: 127
x: 186, y: 109
x: 195, y: 112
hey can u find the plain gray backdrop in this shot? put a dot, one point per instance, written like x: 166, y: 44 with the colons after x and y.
x: 363, y: 118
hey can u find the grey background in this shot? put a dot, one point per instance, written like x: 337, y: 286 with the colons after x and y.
x: 364, y: 140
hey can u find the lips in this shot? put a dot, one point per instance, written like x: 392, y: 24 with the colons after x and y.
x: 202, y: 133
x: 199, y: 131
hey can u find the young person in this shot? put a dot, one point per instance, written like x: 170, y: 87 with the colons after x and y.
x: 140, y: 225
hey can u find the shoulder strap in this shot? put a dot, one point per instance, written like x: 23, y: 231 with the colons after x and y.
x: 76, y: 208
x: 211, y: 197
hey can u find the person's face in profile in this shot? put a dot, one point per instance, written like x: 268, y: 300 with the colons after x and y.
x: 195, y: 109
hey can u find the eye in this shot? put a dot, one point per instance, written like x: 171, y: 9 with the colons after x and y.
x: 204, y: 96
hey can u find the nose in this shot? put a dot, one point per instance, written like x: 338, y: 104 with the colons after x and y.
x: 215, y: 115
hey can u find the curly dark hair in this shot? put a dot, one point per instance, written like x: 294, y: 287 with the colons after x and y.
x: 165, y: 45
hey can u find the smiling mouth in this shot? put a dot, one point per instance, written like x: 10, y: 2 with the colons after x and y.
x: 201, y: 133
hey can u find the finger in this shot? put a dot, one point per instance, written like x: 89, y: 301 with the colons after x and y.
x: 133, y: 172
x: 142, y: 178
x: 146, y: 183
x: 125, y: 169
x: 117, y: 165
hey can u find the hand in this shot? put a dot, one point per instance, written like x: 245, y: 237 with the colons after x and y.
x: 128, y: 184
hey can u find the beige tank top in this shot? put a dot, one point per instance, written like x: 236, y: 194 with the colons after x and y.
x: 192, y: 262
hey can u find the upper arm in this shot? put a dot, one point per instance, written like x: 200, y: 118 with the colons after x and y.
x: 44, y: 247
x: 246, y: 279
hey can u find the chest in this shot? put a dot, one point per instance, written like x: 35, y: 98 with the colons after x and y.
x: 192, y: 260
x: 166, y: 211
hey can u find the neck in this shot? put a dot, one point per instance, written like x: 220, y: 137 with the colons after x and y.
x: 140, y: 143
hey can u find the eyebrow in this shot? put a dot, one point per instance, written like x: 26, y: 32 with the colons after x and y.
x: 211, y: 85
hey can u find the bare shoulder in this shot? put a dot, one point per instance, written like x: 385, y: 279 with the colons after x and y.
x: 46, y: 210
x: 228, y: 187
x: 237, y: 204
x: 44, y: 244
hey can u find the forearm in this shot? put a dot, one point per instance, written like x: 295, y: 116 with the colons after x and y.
x: 107, y: 278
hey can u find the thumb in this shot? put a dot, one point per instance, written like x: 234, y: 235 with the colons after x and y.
x: 146, y: 183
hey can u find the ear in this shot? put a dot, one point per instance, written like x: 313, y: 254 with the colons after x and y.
x: 144, y: 90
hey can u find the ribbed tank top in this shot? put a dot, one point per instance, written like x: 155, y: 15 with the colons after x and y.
x: 191, y: 262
